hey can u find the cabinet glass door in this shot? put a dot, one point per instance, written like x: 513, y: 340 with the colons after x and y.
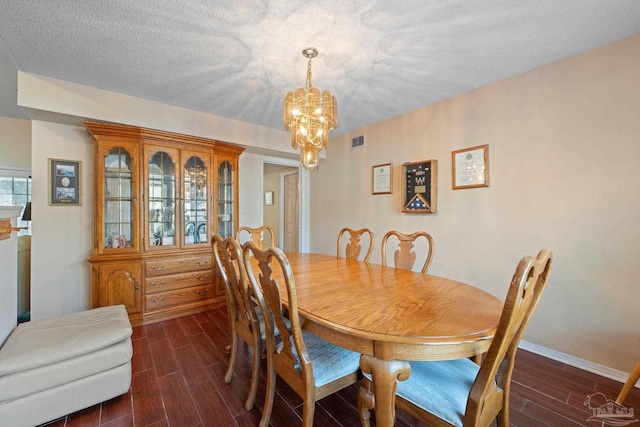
x: 118, y: 206
x: 162, y: 200
x: 195, y: 201
x: 226, y: 202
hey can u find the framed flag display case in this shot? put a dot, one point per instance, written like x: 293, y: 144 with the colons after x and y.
x: 419, y: 186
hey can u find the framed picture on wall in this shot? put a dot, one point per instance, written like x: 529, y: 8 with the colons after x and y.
x: 470, y: 167
x: 64, y: 182
x: 268, y: 198
x: 382, y: 179
x: 419, y: 187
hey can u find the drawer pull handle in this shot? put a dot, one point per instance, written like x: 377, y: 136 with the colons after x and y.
x: 137, y: 287
x: 153, y: 267
x: 181, y: 261
x: 201, y: 293
x: 158, y: 286
x: 202, y: 261
x: 202, y: 278
x: 158, y: 301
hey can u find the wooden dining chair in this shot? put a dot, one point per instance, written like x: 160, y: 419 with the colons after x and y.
x: 354, y: 247
x: 312, y: 367
x: 628, y: 386
x: 404, y: 257
x: 257, y: 235
x: 459, y: 392
x: 245, y: 321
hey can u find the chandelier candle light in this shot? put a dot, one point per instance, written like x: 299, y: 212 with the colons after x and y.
x: 310, y: 116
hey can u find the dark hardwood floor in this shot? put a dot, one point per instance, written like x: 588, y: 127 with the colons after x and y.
x: 178, y: 369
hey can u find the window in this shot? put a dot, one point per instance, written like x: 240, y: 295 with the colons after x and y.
x: 15, y: 191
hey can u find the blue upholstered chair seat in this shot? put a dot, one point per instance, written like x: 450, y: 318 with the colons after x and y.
x: 330, y: 361
x: 441, y: 388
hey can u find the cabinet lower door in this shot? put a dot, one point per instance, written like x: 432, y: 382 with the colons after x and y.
x: 120, y: 284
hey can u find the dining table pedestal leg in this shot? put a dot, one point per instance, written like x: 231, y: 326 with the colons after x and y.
x: 384, y: 374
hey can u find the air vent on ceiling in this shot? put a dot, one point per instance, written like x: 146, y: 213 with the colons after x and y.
x: 357, y: 141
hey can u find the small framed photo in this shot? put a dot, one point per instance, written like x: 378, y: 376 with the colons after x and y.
x: 268, y: 198
x: 64, y: 182
x: 470, y: 167
x: 382, y: 179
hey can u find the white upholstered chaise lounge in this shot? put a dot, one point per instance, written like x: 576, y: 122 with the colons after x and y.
x: 53, y: 367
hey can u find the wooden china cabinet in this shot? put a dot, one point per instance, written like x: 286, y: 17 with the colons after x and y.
x: 158, y: 198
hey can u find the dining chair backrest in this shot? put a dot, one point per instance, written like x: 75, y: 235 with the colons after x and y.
x: 271, y: 274
x: 257, y: 235
x: 310, y: 377
x: 353, y: 248
x: 244, y: 322
x: 528, y: 283
x: 404, y: 257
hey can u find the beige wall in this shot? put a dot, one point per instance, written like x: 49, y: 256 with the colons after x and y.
x: 62, y: 236
x: 564, y: 148
x: 271, y: 214
x: 15, y: 143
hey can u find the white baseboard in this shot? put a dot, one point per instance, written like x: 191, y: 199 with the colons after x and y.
x: 576, y: 362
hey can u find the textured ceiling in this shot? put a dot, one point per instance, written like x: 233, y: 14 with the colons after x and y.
x: 237, y: 59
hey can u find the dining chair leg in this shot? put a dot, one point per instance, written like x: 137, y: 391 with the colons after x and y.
x: 255, y: 373
x: 270, y: 393
x: 628, y: 386
x: 502, y: 419
x: 232, y: 358
x: 366, y: 402
x: 308, y: 411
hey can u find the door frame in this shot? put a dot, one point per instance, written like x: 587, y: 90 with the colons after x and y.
x: 303, y: 197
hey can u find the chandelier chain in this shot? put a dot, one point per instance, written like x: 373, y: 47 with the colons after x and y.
x: 309, y: 74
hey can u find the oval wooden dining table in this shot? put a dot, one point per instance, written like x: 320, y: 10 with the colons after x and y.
x: 391, y: 316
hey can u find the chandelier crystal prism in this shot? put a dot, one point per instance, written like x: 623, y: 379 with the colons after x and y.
x: 310, y: 115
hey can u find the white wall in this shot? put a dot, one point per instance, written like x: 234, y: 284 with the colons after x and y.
x: 62, y: 236
x: 57, y: 100
x: 271, y: 214
x: 564, y: 151
x: 15, y: 143
x: 8, y: 276
x: 250, y: 190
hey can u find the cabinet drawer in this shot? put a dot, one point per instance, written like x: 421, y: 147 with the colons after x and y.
x: 179, y: 297
x: 178, y: 265
x: 157, y: 284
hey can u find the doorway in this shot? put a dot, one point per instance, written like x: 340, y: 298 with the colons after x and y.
x: 287, y: 216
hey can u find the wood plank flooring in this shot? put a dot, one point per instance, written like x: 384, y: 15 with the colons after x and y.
x: 179, y: 365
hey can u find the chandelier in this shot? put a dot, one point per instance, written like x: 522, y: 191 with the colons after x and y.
x: 310, y: 116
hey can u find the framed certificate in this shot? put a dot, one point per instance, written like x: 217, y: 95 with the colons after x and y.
x: 470, y: 167
x: 382, y: 179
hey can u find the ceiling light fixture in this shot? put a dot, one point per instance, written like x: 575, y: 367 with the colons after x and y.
x: 310, y: 116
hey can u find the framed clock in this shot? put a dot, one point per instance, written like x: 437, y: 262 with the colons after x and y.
x: 419, y: 187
